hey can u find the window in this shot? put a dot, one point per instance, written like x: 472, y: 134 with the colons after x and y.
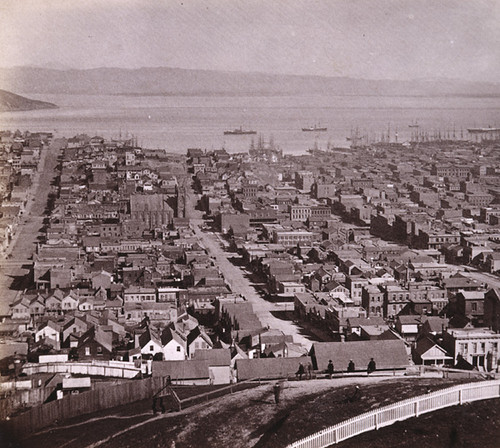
x: 178, y: 349
x: 151, y: 348
x: 87, y: 351
x: 474, y: 306
x: 99, y: 350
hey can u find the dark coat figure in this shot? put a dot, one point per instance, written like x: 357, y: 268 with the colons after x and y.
x: 301, y: 371
x: 371, y: 366
x: 354, y: 396
x: 351, y: 367
x: 329, y: 369
x: 277, y: 392
x: 309, y: 370
x: 155, y: 410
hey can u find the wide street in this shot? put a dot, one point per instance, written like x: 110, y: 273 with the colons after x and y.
x: 489, y: 280
x: 239, y: 283
x: 17, y: 261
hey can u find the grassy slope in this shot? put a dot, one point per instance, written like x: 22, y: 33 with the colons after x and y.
x: 251, y: 418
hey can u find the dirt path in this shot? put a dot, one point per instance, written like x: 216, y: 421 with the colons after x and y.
x: 241, y: 420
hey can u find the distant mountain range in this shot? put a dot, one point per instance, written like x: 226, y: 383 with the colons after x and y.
x: 175, y: 81
x: 10, y: 102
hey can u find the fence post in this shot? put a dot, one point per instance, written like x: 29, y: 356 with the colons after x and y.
x: 460, y: 396
x: 416, y: 408
x: 335, y: 435
x: 376, y: 421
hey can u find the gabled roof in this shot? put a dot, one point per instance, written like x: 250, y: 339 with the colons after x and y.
x: 148, y: 336
x: 103, y: 338
x: 195, y: 333
x: 333, y: 284
x: 435, y: 324
x: 51, y: 324
x: 74, y: 320
x: 169, y: 334
x: 423, y: 345
x: 471, y: 295
x: 494, y: 293
x: 409, y: 319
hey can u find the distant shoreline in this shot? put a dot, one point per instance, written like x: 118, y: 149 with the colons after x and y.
x: 11, y: 102
x: 284, y: 94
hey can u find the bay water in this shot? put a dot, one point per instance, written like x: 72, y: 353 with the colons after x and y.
x: 180, y: 122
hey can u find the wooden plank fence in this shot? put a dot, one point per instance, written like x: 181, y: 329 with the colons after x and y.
x: 412, y: 407
x: 85, y: 403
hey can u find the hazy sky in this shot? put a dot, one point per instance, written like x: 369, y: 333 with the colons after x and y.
x: 395, y: 39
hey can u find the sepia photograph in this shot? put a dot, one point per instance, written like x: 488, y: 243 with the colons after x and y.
x: 249, y: 223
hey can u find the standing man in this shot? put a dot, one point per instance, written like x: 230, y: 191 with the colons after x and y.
x: 351, y: 367
x: 329, y: 369
x: 371, y: 366
x: 301, y: 371
x: 277, y: 391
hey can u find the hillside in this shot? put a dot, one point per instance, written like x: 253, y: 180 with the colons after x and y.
x: 10, y: 102
x: 175, y: 81
x: 252, y: 419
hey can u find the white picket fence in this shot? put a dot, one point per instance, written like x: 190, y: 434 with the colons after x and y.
x: 387, y: 415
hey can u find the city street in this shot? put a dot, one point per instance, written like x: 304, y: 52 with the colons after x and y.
x: 492, y: 281
x: 237, y: 280
x: 17, y: 261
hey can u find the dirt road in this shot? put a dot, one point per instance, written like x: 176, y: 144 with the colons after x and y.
x: 239, y: 283
x: 16, y: 263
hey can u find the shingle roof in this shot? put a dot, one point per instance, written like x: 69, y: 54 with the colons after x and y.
x: 269, y: 367
x: 388, y: 354
x: 181, y: 370
x: 215, y: 357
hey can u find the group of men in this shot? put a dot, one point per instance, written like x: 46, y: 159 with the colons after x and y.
x: 372, y: 366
